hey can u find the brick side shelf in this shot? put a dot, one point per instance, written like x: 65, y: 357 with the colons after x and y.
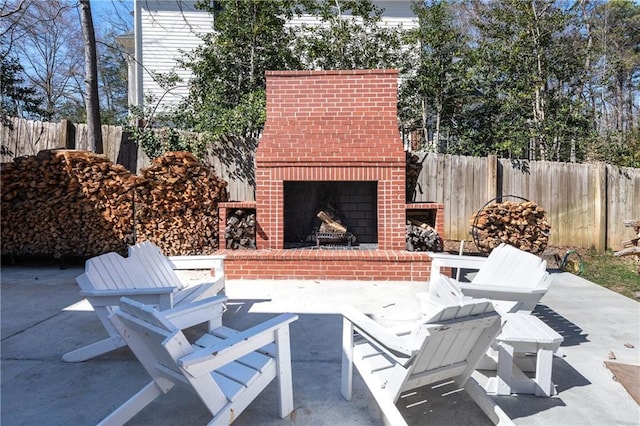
x: 222, y: 217
x: 438, y: 213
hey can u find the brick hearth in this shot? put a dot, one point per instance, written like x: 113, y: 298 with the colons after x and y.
x: 363, y: 265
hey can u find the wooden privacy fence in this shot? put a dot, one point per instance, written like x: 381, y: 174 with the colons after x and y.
x: 586, y: 204
x: 27, y: 137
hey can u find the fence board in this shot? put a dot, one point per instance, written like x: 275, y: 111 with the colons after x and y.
x: 571, y: 194
x: 587, y: 198
x: 428, y: 174
x: 551, y: 203
x: 466, y: 206
x: 562, y: 226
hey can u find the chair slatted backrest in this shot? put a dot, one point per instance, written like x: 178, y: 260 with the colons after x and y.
x: 452, y: 345
x: 111, y: 271
x: 156, y: 264
x: 507, y: 265
x: 445, y: 301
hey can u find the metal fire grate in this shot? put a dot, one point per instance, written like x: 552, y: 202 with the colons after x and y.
x: 334, y: 238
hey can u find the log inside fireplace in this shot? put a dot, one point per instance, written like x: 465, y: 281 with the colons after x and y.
x: 332, y: 231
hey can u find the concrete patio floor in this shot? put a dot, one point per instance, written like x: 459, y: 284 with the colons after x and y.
x: 43, y: 316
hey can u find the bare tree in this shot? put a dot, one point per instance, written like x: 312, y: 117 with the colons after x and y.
x: 45, y: 37
x: 10, y: 16
x: 92, y: 102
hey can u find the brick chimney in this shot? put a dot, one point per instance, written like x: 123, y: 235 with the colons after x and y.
x: 331, y: 126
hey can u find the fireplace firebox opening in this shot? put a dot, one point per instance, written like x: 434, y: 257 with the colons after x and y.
x: 316, y: 213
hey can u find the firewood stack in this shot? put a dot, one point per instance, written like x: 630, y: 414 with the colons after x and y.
x: 520, y: 224
x: 75, y: 203
x: 65, y: 203
x: 240, y: 232
x: 422, y: 237
x: 177, y: 205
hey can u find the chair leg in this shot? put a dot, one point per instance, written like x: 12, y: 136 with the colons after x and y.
x: 347, y: 359
x: 385, y: 401
x: 133, y: 405
x: 486, y: 404
x: 87, y: 352
x: 285, y: 380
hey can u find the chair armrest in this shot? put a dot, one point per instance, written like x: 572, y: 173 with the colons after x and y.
x: 205, y: 360
x: 196, y: 262
x: 500, y: 292
x: 190, y: 314
x: 213, y: 262
x: 373, y: 331
x: 162, y: 297
x: 453, y: 260
x: 218, y: 283
x: 128, y: 292
x: 448, y: 260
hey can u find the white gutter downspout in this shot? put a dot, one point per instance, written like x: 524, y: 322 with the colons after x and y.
x: 137, y: 34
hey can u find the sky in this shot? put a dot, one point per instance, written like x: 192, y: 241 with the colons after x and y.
x: 106, y: 13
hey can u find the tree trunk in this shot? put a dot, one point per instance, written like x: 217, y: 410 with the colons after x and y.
x: 540, y: 90
x: 94, y: 129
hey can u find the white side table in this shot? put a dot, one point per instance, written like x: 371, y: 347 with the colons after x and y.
x: 522, y: 334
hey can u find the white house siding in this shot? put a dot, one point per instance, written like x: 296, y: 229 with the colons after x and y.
x: 170, y: 28
x: 395, y: 13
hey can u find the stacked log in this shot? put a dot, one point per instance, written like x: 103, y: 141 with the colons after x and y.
x: 75, y: 203
x: 240, y: 230
x: 65, y: 203
x: 520, y: 224
x: 177, y: 205
x: 422, y: 237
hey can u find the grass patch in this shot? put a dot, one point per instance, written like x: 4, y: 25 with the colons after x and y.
x: 618, y: 274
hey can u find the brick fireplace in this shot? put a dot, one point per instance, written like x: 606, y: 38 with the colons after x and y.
x: 331, y: 135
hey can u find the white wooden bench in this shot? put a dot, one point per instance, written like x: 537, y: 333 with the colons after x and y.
x: 524, y: 334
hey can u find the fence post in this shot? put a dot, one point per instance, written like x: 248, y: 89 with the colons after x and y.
x: 492, y: 177
x: 67, y: 134
x: 600, y: 207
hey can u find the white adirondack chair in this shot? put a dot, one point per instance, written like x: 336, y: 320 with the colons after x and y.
x: 446, y: 345
x: 225, y: 368
x: 146, y: 276
x: 513, y: 279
